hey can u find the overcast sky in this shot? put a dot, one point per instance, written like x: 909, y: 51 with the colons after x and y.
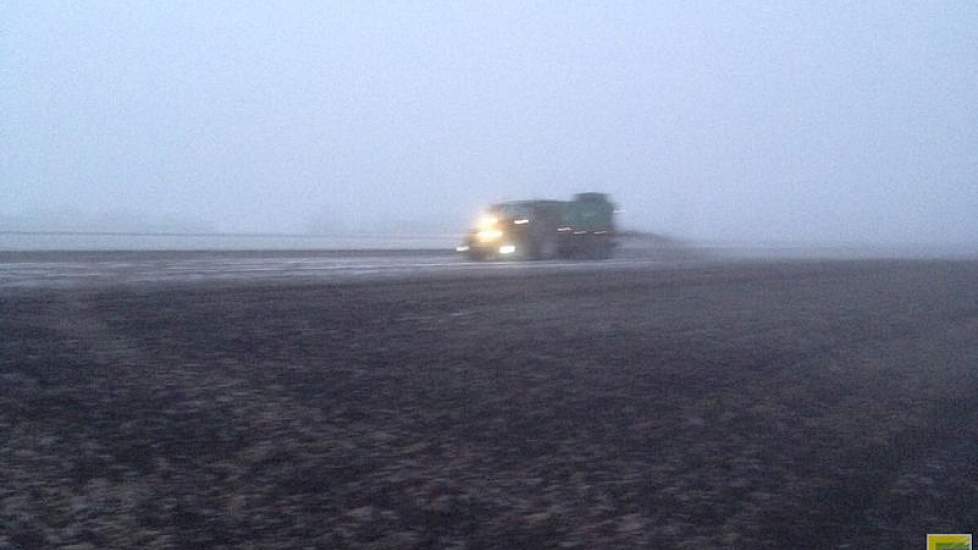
x: 814, y: 121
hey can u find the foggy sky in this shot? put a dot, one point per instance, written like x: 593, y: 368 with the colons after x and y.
x: 822, y: 121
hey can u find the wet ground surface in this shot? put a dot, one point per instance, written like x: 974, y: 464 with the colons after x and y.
x: 675, y: 403
x: 81, y: 269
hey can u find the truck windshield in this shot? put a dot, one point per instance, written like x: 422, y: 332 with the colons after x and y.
x: 511, y: 210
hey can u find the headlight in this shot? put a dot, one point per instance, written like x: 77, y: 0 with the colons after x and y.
x: 507, y: 249
x: 487, y: 235
x: 487, y: 221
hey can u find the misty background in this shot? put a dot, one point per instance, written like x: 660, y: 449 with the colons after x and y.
x: 765, y: 121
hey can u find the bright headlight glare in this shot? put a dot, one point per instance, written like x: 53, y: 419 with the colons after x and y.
x: 487, y: 221
x: 489, y: 235
x: 507, y: 249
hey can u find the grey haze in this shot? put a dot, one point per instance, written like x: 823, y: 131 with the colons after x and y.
x: 768, y: 121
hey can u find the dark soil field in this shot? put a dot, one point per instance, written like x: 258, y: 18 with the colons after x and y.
x: 739, y: 405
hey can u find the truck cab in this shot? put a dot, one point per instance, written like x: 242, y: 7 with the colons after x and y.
x: 543, y: 229
x: 515, y: 230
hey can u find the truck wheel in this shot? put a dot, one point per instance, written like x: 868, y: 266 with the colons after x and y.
x: 600, y: 250
x: 547, y: 248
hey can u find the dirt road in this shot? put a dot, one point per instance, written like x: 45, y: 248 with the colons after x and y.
x: 723, y: 405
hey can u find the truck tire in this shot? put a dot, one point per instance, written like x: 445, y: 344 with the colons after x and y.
x: 601, y: 249
x: 548, y: 247
x: 544, y: 248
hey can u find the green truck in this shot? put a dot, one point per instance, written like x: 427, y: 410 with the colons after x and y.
x: 544, y: 229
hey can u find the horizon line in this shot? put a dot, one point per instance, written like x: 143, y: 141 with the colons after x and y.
x: 198, y: 234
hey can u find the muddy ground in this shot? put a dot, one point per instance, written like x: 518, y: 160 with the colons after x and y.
x: 739, y: 405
